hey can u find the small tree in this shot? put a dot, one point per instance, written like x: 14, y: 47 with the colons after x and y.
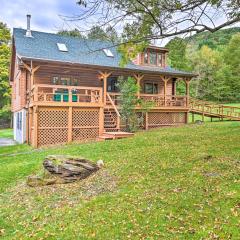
x: 128, y: 89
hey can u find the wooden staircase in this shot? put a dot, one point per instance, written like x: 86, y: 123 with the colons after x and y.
x: 112, y: 122
x: 214, y: 110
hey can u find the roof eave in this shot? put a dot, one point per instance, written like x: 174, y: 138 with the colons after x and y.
x: 109, y: 67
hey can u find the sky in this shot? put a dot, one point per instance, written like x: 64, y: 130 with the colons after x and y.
x: 46, y: 14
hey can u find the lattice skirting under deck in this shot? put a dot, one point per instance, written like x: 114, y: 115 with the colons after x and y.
x: 158, y: 119
x: 57, y: 125
x: 140, y: 120
x: 60, y: 125
x: 85, y: 124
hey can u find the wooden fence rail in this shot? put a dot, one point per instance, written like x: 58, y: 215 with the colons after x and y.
x: 214, y: 110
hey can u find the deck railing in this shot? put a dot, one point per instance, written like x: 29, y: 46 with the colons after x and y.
x: 44, y: 93
x: 165, y: 101
x: 213, y: 109
x: 65, y: 94
x: 158, y: 100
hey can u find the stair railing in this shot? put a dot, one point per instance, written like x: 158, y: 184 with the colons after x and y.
x: 115, y: 109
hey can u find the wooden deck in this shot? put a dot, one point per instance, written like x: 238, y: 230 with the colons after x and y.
x: 59, y: 114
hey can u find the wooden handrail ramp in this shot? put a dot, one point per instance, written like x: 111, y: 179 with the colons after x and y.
x: 214, y: 110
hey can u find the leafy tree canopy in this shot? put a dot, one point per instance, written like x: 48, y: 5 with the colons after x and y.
x: 177, y: 55
x: 143, y: 20
x: 4, y: 65
x: 72, y: 33
x: 128, y: 89
x: 218, y: 68
x: 96, y: 32
x: 5, y: 35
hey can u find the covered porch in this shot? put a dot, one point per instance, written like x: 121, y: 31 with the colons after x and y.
x: 74, y: 86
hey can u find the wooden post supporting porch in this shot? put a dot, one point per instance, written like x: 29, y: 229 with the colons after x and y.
x: 187, y: 82
x: 70, y: 124
x: 33, y: 114
x: 146, y: 121
x: 101, y: 121
x: 35, y: 127
x: 32, y: 71
x: 165, y: 80
x: 138, y: 78
x: 103, y: 76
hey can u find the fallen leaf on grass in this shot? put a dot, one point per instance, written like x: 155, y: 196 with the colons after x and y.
x: 2, y: 231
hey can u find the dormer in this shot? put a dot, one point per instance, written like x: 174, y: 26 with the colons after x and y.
x: 153, y: 56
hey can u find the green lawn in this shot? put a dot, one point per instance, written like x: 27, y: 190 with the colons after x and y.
x: 233, y: 104
x: 170, y: 183
x: 6, y: 133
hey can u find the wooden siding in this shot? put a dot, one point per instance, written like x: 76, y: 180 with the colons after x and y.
x: 85, y: 77
x: 19, y: 88
x: 89, y: 77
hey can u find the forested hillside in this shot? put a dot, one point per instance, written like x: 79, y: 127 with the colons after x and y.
x: 215, y: 40
x: 215, y: 57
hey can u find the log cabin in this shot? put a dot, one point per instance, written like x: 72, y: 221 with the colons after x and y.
x: 64, y: 88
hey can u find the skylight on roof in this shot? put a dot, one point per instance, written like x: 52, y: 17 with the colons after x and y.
x: 108, y: 52
x: 62, y: 47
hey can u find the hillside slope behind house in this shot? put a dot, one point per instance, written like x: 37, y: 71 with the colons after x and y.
x: 215, y: 58
x: 213, y: 40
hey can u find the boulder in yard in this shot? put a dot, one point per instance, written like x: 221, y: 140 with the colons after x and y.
x: 64, y: 169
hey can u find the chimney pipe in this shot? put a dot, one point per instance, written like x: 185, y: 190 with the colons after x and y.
x: 28, y: 32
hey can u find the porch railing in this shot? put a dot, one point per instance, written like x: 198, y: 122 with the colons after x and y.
x: 45, y: 93
x: 71, y: 94
x: 157, y: 99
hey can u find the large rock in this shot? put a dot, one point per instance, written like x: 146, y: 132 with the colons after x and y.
x: 63, y: 169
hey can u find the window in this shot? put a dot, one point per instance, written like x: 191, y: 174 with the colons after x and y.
x: 55, y: 80
x: 146, y: 57
x: 108, y: 52
x: 112, y: 84
x: 151, y: 88
x: 160, y: 59
x: 74, y: 82
x: 65, y: 81
x: 62, y: 47
x: 19, y: 120
x: 153, y: 57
